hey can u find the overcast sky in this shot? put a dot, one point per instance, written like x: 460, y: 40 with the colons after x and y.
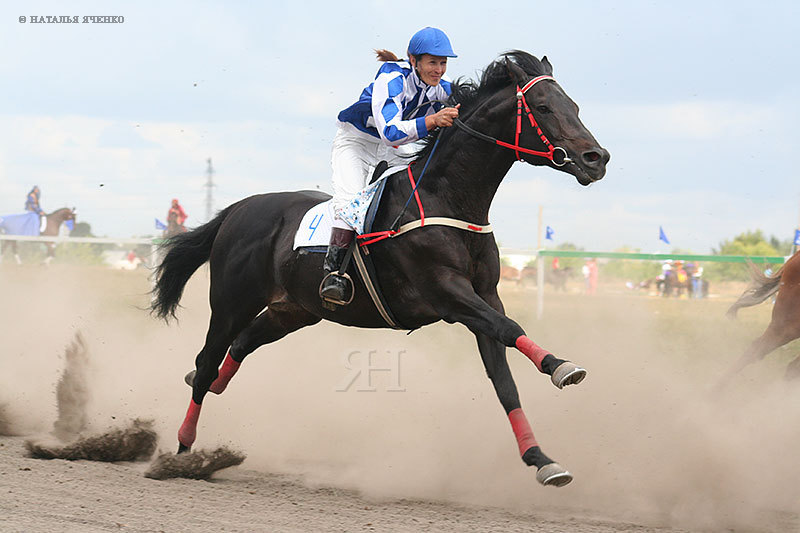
x: 696, y: 101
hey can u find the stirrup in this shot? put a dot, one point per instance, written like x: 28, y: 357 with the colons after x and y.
x: 335, y: 301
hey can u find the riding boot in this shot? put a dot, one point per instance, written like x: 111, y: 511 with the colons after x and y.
x: 336, y: 287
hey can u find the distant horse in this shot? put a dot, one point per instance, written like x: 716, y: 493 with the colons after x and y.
x: 785, y: 324
x: 430, y: 274
x: 558, y: 278
x: 675, y: 282
x: 670, y: 284
x: 509, y: 273
x: 173, y: 228
x: 52, y: 226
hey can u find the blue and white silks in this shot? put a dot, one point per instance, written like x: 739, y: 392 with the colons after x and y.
x: 394, y: 106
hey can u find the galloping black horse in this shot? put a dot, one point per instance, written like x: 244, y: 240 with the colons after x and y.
x: 516, y: 112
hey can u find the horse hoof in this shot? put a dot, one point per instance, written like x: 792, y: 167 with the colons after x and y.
x: 567, y: 373
x: 553, y: 475
x: 184, y: 449
x: 189, y: 378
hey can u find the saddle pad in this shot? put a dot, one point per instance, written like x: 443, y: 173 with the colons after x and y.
x: 315, y: 227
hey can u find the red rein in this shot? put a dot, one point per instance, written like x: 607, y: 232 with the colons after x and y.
x: 380, y: 235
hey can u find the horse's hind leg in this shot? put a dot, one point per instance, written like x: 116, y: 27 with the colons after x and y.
x: 784, y: 328
x: 220, y: 333
x: 793, y: 369
x: 276, y: 322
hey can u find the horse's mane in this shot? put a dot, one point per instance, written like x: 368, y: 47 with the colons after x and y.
x: 468, y: 92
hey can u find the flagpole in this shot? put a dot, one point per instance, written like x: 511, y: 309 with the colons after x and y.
x: 539, y: 233
x: 539, y: 271
x: 795, y: 247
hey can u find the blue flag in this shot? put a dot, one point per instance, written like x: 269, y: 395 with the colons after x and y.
x: 548, y: 233
x: 662, y: 236
x: 797, y: 237
x: 160, y: 225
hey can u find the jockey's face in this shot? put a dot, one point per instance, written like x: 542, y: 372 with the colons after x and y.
x: 430, y: 68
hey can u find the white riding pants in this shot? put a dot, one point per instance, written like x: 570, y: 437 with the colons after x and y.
x: 354, y: 157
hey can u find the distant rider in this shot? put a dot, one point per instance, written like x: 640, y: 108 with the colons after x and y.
x: 32, y: 201
x: 177, y: 210
x: 402, y: 105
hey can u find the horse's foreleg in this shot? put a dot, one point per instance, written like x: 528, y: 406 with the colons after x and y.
x: 457, y: 301
x: 493, y: 354
x: 51, y: 253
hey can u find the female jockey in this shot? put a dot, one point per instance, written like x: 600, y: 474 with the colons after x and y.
x: 32, y: 201
x: 403, y: 104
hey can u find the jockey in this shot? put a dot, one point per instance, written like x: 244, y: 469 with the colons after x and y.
x: 403, y: 104
x: 180, y: 214
x: 32, y: 201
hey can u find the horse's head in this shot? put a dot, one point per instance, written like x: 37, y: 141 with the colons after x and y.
x: 62, y: 215
x: 518, y: 105
x: 550, y: 123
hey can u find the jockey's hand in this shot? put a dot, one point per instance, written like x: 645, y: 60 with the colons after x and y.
x: 443, y: 118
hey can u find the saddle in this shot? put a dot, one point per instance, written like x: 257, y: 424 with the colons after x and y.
x: 311, y: 239
x: 364, y: 265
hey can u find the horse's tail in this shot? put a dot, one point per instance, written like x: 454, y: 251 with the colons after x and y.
x: 761, y: 287
x: 183, y: 254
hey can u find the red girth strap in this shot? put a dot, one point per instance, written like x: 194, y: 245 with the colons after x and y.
x: 369, y: 238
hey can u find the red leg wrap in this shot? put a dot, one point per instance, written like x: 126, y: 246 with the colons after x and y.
x: 533, y: 351
x: 522, y: 430
x: 226, y: 372
x: 188, y: 431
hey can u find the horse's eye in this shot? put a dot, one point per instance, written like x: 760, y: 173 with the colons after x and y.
x: 543, y: 109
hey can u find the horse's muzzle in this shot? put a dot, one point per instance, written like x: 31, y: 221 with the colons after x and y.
x: 591, y: 166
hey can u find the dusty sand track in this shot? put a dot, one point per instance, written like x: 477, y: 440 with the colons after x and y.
x: 651, y: 450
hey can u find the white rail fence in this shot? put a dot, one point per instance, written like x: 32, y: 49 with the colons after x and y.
x: 62, y: 239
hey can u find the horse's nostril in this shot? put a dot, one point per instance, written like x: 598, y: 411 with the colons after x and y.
x: 591, y: 157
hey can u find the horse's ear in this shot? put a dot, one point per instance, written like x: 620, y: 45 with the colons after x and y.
x: 515, y: 72
x: 548, y: 68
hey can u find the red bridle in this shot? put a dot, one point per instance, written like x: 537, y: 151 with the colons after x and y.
x: 521, y: 102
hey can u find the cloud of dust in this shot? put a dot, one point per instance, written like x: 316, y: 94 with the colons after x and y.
x: 72, y: 392
x: 643, y: 435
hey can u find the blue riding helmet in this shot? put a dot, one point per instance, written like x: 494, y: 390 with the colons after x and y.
x: 431, y: 41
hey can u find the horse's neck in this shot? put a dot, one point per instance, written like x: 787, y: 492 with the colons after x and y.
x: 466, y: 178
x: 469, y: 170
x: 54, y: 221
